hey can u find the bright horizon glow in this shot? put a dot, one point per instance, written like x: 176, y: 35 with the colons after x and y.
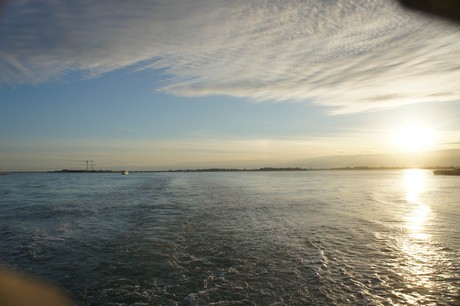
x: 415, y: 138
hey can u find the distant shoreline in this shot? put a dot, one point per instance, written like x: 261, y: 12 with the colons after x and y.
x: 269, y: 169
x: 85, y: 171
x: 264, y: 169
x: 274, y: 169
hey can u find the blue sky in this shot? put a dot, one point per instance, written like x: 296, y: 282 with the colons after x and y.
x: 171, y: 84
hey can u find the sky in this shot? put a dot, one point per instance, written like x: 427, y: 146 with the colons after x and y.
x: 169, y: 84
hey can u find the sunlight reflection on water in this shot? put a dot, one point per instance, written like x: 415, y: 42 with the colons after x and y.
x: 415, y: 182
x: 420, y: 257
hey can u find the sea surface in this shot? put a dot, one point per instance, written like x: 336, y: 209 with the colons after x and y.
x: 388, y: 237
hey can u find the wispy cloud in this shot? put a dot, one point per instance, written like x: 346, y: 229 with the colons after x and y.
x: 349, y: 55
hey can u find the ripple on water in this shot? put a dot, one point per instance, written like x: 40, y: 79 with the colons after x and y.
x: 311, y: 238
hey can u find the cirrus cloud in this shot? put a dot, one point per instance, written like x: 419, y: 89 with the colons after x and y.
x: 348, y: 55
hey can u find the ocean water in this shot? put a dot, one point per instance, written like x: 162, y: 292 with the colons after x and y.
x: 237, y: 238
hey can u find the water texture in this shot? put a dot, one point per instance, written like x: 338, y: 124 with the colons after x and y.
x: 237, y: 238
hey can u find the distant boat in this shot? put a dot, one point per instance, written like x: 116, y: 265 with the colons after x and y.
x: 124, y: 172
x: 455, y: 171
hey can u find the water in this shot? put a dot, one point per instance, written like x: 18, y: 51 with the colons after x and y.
x: 244, y: 238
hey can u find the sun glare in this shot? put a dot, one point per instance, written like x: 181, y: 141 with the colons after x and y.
x: 415, y: 138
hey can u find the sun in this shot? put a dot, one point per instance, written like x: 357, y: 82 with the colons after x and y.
x: 415, y: 138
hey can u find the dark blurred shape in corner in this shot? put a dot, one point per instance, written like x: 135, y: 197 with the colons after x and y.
x: 21, y: 290
x: 448, y: 9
